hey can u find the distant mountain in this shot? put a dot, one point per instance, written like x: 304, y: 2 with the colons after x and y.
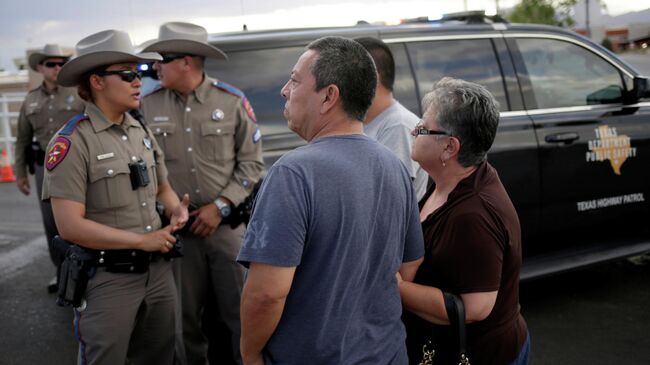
x: 642, y: 16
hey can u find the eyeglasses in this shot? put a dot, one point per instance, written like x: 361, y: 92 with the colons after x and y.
x: 420, y: 131
x: 125, y: 75
x: 167, y: 58
x: 51, y: 64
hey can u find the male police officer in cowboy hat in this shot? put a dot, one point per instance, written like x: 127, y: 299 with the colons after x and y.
x: 212, y: 147
x: 44, y: 111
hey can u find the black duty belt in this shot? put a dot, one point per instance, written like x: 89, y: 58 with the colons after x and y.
x: 125, y: 261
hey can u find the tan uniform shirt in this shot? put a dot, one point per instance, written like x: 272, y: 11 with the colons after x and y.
x: 93, y: 170
x: 42, y: 114
x: 212, y: 144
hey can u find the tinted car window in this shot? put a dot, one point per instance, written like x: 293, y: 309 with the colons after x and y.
x: 471, y: 60
x: 404, y: 86
x: 262, y: 86
x: 564, y: 74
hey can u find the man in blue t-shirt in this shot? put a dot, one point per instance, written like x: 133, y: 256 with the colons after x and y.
x: 333, y: 223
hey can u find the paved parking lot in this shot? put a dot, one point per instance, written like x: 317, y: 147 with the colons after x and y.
x: 598, y: 315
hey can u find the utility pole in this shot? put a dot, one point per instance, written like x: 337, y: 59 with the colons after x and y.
x: 465, y: 2
x: 497, y: 4
x: 587, y: 18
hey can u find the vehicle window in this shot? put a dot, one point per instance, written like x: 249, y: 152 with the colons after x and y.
x: 404, y: 86
x: 260, y: 74
x: 564, y: 74
x: 469, y: 59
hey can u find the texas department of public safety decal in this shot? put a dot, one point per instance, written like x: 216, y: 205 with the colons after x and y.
x: 57, y: 152
x: 612, y: 146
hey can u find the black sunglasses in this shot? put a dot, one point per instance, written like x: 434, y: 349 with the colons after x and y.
x: 125, y: 75
x: 167, y: 58
x: 419, y: 131
x: 51, y: 64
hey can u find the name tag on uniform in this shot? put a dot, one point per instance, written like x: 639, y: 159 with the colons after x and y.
x: 161, y: 119
x: 31, y: 105
x: 105, y: 156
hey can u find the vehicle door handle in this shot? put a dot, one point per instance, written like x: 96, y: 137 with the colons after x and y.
x: 562, y: 137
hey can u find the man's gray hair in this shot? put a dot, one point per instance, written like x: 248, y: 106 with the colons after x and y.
x: 346, y: 64
x: 468, y: 112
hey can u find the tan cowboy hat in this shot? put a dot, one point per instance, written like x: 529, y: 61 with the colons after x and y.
x: 101, y: 49
x: 49, y: 51
x: 184, y: 38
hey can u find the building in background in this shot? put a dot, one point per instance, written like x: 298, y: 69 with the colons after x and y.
x: 625, y: 31
x: 13, y: 88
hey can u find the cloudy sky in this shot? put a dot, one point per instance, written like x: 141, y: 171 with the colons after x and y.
x: 31, y: 24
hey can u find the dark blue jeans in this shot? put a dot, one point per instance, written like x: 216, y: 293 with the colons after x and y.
x: 522, y: 358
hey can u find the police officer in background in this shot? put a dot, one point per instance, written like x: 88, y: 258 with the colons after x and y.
x: 104, y: 174
x: 212, y: 147
x: 43, y: 112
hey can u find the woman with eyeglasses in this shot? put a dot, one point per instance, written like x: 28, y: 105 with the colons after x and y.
x: 104, y: 174
x: 471, y: 232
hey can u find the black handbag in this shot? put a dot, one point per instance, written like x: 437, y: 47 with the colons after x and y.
x: 456, y: 313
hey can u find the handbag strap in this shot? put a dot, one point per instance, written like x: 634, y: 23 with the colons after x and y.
x: 456, y: 313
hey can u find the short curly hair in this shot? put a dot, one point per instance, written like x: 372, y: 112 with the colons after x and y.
x: 468, y: 112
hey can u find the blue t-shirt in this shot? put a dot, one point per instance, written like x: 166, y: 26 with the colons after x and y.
x: 342, y: 210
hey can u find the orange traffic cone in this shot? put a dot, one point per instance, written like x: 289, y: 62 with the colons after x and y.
x: 6, y: 173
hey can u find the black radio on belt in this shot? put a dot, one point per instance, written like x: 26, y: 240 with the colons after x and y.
x: 139, y: 175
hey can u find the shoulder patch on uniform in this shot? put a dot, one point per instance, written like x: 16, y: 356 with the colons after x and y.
x: 235, y: 91
x: 71, y: 124
x: 228, y: 88
x: 57, y: 152
x: 249, y: 109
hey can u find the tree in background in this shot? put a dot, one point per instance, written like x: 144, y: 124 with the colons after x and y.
x: 551, y: 12
x: 607, y: 44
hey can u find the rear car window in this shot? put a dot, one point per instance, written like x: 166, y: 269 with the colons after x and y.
x: 404, y: 86
x: 563, y: 74
x: 469, y: 59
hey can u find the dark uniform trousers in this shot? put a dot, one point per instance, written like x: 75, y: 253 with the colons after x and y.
x: 129, y: 318
x: 211, y: 262
x: 48, y: 217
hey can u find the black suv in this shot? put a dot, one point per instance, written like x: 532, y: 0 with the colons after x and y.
x: 573, y: 144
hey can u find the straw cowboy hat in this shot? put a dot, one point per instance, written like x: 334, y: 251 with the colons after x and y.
x: 184, y: 38
x: 101, y: 49
x: 49, y: 51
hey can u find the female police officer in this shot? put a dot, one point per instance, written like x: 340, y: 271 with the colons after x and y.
x: 104, y: 174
